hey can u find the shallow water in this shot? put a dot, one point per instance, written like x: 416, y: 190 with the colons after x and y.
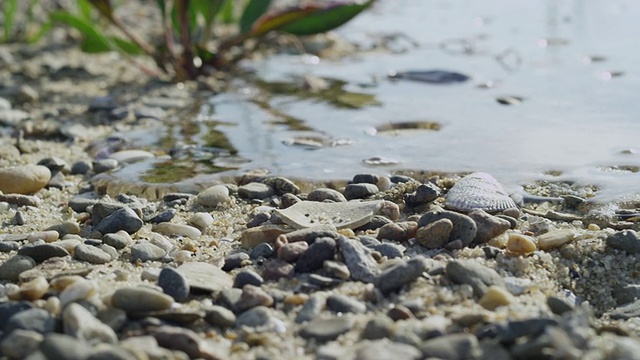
x: 573, y: 63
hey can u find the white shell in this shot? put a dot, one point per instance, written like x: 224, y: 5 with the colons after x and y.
x: 478, y: 191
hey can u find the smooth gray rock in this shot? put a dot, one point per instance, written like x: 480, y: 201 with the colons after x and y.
x: 477, y: 275
x: 327, y: 329
x: 404, y: 273
x: 464, y: 228
x: 386, y: 349
x: 91, y: 254
x: 345, y: 304
x: 14, y: 266
x: 626, y: 240
x: 174, y: 284
x: 360, y: 191
x: 320, y: 250
x: 118, y: 240
x: 626, y: 311
x: 20, y: 343
x: 255, y: 317
x: 205, y: 276
x: 359, y: 260
x: 322, y: 194
x: 454, y: 346
x: 311, y: 309
x: 220, y: 316
x: 35, y: 319
x: 255, y: 190
x: 249, y: 277
x: 122, y: 219
x: 488, y: 226
x: 80, y: 323
x: 140, y: 300
x: 424, y: 194
x: 145, y: 251
x: 60, y: 346
x: 42, y: 252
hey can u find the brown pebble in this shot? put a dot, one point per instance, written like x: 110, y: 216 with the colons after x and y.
x: 400, y: 231
x: 435, y: 235
x: 519, y: 244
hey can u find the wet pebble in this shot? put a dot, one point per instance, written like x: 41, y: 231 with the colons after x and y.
x: 140, y: 300
x: 255, y: 190
x: 24, y: 179
x: 80, y: 323
x: 323, y: 194
x: 247, y: 277
x: 213, y: 196
x: 146, y: 251
x: 321, y: 250
x: 122, y: 219
x: 345, y: 304
x: 626, y: 240
x: 400, y: 231
x: 119, y: 240
x: 14, y: 266
x: 477, y: 275
x: 464, y: 228
x: 358, y: 259
x: 360, y: 191
x: 328, y: 329
x: 91, y: 254
x: 42, y: 252
x: 174, y: 284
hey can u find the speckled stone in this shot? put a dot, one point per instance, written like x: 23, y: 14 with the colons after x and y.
x: 626, y: 240
x: 359, y: 260
x: 401, y: 274
x: 464, y: 228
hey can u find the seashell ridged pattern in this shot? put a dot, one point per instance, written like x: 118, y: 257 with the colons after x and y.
x: 478, y: 191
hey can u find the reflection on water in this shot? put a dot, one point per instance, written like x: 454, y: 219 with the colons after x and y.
x: 568, y: 65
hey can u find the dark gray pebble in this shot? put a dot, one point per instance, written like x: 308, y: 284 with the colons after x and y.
x: 365, y: 178
x: 81, y: 202
x: 264, y: 250
x: 311, y: 308
x: 235, y: 261
x: 255, y: 317
x: 398, y: 179
x: 558, y: 306
x: 477, y: 275
x: 81, y: 167
x: 424, y: 194
x: 487, y: 226
x: 320, y: 250
x: 10, y: 308
x: 327, y: 329
x: 8, y: 246
x: 464, y: 228
x: 255, y: 190
x: 104, y: 165
x: 103, y: 103
x: 377, y: 221
x: 311, y: 234
x: 281, y: 185
x: 91, y: 254
x: 35, y: 319
x: 390, y: 250
x: 626, y: 240
x: 323, y: 194
x: 345, y: 304
x: 14, y: 266
x: 454, y: 346
x: 245, y: 277
x: 359, y: 260
x: 60, y: 346
x: 220, y: 316
x: 259, y: 219
x: 118, y: 240
x: 513, y: 330
x: 146, y: 251
x: 42, y: 252
x: 404, y: 273
x: 379, y: 327
x: 164, y: 216
x: 360, y: 191
x: 174, y: 284
x: 122, y: 219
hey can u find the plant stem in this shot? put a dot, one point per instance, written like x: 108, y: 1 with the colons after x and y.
x: 187, y: 46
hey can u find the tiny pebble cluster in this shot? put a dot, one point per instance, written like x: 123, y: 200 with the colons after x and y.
x: 383, y: 270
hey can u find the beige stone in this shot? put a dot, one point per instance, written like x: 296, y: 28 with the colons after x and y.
x: 555, y: 238
x: 519, y: 244
x: 494, y: 297
x: 25, y: 179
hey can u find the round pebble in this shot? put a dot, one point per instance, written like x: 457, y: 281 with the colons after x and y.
x: 146, y: 251
x: 323, y: 194
x: 360, y: 191
x: 326, y: 329
x: 118, y: 240
x: 91, y: 254
x: 201, y: 220
x: 14, y: 266
x: 174, y: 284
x: 519, y: 244
x: 25, y: 179
x: 140, y: 300
x: 213, y: 196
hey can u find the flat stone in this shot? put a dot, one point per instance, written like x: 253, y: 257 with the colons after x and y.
x: 311, y: 308
x: 26, y: 179
x: 38, y: 320
x: 454, y: 346
x: 14, y: 266
x: 122, y: 219
x: 205, y: 276
x: 345, y: 304
x: 360, y: 191
x: 80, y: 323
x: 478, y: 276
x: 118, y: 240
x: 386, y: 349
x: 555, y: 238
x: 327, y: 329
x: 255, y: 236
x: 91, y: 254
x: 253, y: 296
x: 61, y: 346
x: 464, y: 228
x: 146, y: 251
x: 342, y: 215
x: 322, y: 194
x: 255, y: 190
x: 21, y: 200
x: 140, y: 300
x: 362, y: 266
x: 174, y: 284
x: 310, y: 235
x: 131, y: 156
x: 171, y: 229
x: 399, y: 231
x: 42, y: 252
x: 404, y: 273
x: 220, y: 316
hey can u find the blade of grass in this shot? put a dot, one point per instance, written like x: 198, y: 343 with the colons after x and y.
x: 10, y: 9
x: 327, y: 18
x: 252, y: 12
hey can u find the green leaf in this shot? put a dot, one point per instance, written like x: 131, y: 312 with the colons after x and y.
x: 207, y: 8
x: 125, y: 46
x: 10, y: 8
x: 277, y: 20
x: 104, y: 6
x: 95, y: 40
x: 227, y: 16
x: 326, y: 18
x: 84, y: 8
x: 252, y: 12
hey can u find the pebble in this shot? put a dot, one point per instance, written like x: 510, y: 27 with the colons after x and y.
x: 386, y: 349
x: 174, y: 284
x: 477, y: 275
x: 464, y: 228
x: 345, y: 304
x: 8, y: 246
x: 558, y: 306
x: 213, y: 196
x: 323, y: 281
x: 360, y: 191
x: 282, y: 185
x: 247, y: 277
x: 119, y: 240
x: 379, y: 327
x: 323, y: 330
x: 453, y: 346
x: 150, y: 112
x: 42, y: 252
x: 47, y: 236
x: 311, y: 308
x: 255, y: 190
x: 26, y: 179
x: 205, y: 276
x: 20, y: 343
x: 80, y: 323
x: 310, y: 235
x: 626, y: 240
x: 359, y: 260
x: 20, y: 200
x: 253, y: 296
x: 122, y: 219
x: 277, y: 269
x: 259, y: 219
x: 91, y: 254
x: 61, y: 346
x: 488, y: 226
x: 401, y: 274
x: 255, y: 317
x: 75, y: 289
x: 140, y: 300
x: 321, y: 249
x: 292, y: 251
x: 163, y: 217
x: 555, y: 238
x: 494, y: 297
x: 171, y: 229
x: 65, y: 228
x: 14, y: 266
x: 81, y: 167
x: 33, y: 289
x: 424, y: 194
x: 201, y: 220
x: 220, y: 316
x: 235, y: 260
x: 336, y: 269
x: 323, y: 194
x: 146, y: 251
x: 400, y: 231
x: 13, y: 117
x: 518, y: 244
x: 104, y: 165
x: 263, y: 250
x: 253, y: 237
x: 81, y: 202
x: 435, y: 235
x: 38, y: 320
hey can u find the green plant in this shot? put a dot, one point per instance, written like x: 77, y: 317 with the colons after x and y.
x: 30, y: 29
x: 188, y: 49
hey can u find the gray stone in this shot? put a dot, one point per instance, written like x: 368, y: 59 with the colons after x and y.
x: 390, y: 250
x: 104, y: 165
x: 626, y: 311
x: 282, y: 185
x: 14, y: 266
x: 264, y: 250
x: 150, y: 112
x: 310, y: 235
x: 327, y: 329
x: 174, y: 284
x: 385, y: 349
x: 122, y: 219
x: 626, y: 240
x: 558, y: 306
x: 81, y: 167
x: 146, y: 251
x: 323, y: 194
x: 435, y: 235
x: 205, y: 276
x: 320, y: 250
x: 365, y: 178
x: 247, y: 277
x: 255, y: 317
x: 358, y: 259
x: 404, y: 273
x: 185, y: 340
x: 378, y: 327
x: 20, y: 343
x: 118, y: 240
x: 81, y: 202
x: 140, y: 300
x: 424, y: 194
x: 477, y: 275
x: 91, y: 254
x: 10, y: 308
x: 253, y: 296
x: 110, y: 352
x: 164, y: 216
x: 220, y: 316
x: 488, y: 226
x: 60, y: 346
x: 38, y: 320
x: 345, y: 304
x: 8, y: 246
x: 360, y: 191
x: 171, y: 229
x: 400, y: 231
x: 454, y: 346
x: 259, y: 219
x: 311, y: 308
x: 213, y: 196
x: 42, y: 252
x: 235, y: 260
x: 80, y: 323
x: 255, y: 190
x: 464, y: 228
